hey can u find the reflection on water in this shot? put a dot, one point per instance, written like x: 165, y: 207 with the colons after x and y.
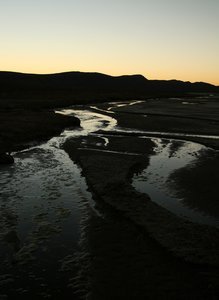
x: 41, y: 196
x: 166, y: 134
x: 122, y: 104
x: 90, y: 121
x: 43, y: 192
x: 169, y: 156
x: 112, y: 105
x: 41, y: 180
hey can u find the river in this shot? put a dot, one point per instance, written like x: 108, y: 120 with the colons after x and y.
x: 44, y: 197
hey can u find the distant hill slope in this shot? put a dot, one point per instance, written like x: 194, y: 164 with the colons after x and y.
x: 69, y: 80
x: 72, y: 87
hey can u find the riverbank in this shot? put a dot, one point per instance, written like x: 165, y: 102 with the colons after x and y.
x: 120, y: 243
x: 167, y: 254
x: 179, y: 118
x: 119, y: 261
x: 20, y: 127
x: 134, y: 234
x: 109, y: 175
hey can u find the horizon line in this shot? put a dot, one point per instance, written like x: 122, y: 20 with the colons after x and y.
x: 95, y: 72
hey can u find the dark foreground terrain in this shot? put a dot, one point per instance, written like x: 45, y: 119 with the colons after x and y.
x: 19, y: 127
x: 140, y: 250
x: 27, y: 102
x: 129, y: 246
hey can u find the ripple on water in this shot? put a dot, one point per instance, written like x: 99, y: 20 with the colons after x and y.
x: 44, y: 193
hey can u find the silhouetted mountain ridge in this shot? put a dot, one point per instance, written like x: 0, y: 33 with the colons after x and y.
x: 65, y: 80
x: 71, y: 84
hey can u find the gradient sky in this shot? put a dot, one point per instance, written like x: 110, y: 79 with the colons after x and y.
x: 160, y: 39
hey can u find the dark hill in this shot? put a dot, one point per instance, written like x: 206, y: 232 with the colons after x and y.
x: 69, y: 80
x: 79, y: 87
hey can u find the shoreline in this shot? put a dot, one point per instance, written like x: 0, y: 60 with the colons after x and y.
x: 194, y: 248
x: 109, y: 176
x: 129, y: 245
x: 20, y: 128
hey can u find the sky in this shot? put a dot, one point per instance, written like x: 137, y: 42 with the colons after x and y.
x: 160, y: 39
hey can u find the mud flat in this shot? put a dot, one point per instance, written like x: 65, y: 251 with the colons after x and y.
x: 135, y: 233
x: 20, y: 127
x: 134, y: 247
x: 109, y: 175
x: 192, y: 119
x: 196, y: 184
x: 120, y: 244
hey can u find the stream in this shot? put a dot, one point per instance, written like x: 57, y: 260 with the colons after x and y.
x: 43, y: 197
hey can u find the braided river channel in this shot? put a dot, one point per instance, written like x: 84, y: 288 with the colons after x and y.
x: 43, y: 199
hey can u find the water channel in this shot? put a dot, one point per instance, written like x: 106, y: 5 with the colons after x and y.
x: 43, y: 194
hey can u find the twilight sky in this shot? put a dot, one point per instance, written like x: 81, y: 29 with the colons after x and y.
x: 160, y: 39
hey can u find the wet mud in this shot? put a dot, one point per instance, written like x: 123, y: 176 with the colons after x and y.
x: 79, y: 227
